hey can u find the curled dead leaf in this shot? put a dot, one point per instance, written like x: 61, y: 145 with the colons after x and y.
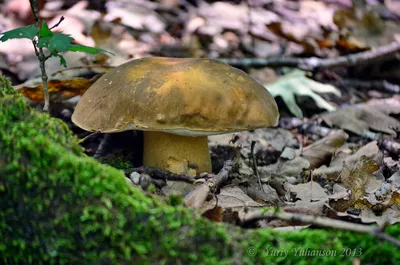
x: 321, y: 152
x: 59, y: 89
x: 356, y: 178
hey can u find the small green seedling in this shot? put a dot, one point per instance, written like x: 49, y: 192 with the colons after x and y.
x: 54, y: 43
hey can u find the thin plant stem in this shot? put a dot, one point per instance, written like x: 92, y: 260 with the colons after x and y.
x: 42, y: 58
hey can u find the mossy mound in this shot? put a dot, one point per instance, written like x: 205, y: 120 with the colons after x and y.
x: 59, y: 206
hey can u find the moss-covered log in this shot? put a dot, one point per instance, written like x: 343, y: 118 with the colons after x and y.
x: 58, y: 206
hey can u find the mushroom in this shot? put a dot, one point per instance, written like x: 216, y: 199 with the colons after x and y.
x: 177, y: 102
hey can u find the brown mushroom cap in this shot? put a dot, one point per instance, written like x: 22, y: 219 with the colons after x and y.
x: 195, y: 97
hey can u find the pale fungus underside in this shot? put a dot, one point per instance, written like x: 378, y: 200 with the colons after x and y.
x: 189, y: 98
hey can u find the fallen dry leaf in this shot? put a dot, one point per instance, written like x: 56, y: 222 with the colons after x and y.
x: 278, y: 138
x: 135, y: 15
x: 234, y: 199
x: 214, y: 214
x: 363, y: 27
x: 321, y: 151
x: 370, y: 151
x: 284, y: 168
x: 308, y: 192
x: 58, y: 89
x: 267, y: 195
x: 358, y: 179
x: 388, y: 216
x: 393, y: 6
x: 360, y: 118
x: 235, y: 16
x: 340, y: 192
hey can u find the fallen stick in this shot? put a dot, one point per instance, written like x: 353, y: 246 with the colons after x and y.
x: 196, y: 198
x: 314, y: 63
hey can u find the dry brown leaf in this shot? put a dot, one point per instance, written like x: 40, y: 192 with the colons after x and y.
x: 22, y: 9
x: 276, y: 137
x: 321, y: 151
x: 390, y: 215
x: 310, y: 197
x: 395, y: 200
x: 114, y: 38
x: 285, y: 168
x: 267, y: 195
x: 380, y: 203
x: 362, y: 117
x: 135, y: 15
x: 395, y: 179
x: 214, y: 214
x: 393, y: 6
x: 362, y: 27
x: 59, y: 89
x: 307, y: 27
x: 340, y: 192
x: 221, y: 16
x: 308, y: 192
x: 370, y: 151
x: 232, y: 199
x: 387, y: 105
x: 358, y: 179
x: 296, y: 33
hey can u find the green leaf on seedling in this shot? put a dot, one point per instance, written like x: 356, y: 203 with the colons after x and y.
x: 43, y: 42
x: 45, y: 31
x: 87, y: 49
x: 28, y: 32
x: 63, y: 62
x: 56, y: 43
x: 60, y: 43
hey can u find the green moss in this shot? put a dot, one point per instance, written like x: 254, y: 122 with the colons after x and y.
x: 116, y: 162
x: 332, y: 247
x: 6, y: 87
x: 59, y: 206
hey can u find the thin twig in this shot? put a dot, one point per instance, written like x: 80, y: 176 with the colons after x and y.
x: 319, y: 221
x: 81, y: 67
x: 42, y: 58
x: 102, y: 146
x: 215, y: 181
x: 58, y: 23
x: 196, y: 198
x: 381, y: 85
x: 87, y: 137
x: 254, y: 164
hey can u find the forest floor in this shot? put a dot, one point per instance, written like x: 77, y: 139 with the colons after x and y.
x: 333, y: 68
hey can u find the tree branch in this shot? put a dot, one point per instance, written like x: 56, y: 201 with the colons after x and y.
x: 42, y: 58
x: 314, y: 63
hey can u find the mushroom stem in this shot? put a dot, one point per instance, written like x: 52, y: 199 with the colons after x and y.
x: 176, y: 153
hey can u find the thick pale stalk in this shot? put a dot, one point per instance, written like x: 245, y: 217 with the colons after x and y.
x: 175, y: 153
